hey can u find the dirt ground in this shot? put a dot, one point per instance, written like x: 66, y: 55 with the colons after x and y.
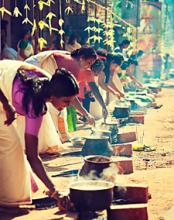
x: 158, y: 173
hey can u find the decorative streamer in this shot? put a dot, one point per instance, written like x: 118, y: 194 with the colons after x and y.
x: 94, y: 24
x: 41, y: 4
x: 83, y: 6
x: 98, y: 29
x: 115, y: 15
x: 68, y: 9
x: 109, y: 33
x: 42, y: 42
x: 95, y: 28
x: 49, y: 16
x: 26, y: 20
x: 48, y: 3
x: 61, y: 22
x: 3, y: 10
x: 16, y: 12
x: 42, y: 24
x: 34, y: 28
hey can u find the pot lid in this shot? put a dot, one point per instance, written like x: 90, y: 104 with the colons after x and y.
x: 96, y: 137
x: 110, y: 123
x: 101, y: 131
x: 91, y: 185
x: 121, y: 107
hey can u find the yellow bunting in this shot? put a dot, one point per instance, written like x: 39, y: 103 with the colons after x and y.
x: 42, y: 24
x: 96, y: 28
x: 109, y: 33
x: 16, y: 12
x: 49, y: 16
x: 26, y: 20
x: 54, y: 29
x: 99, y: 21
x: 34, y: 28
x: 3, y: 10
x: 93, y: 29
x: 95, y: 38
x: 41, y: 4
x: 42, y: 43
x: 88, y: 29
x: 115, y: 15
x: 26, y: 7
x: 83, y: 7
x: 68, y: 10
x: 49, y: 2
x: 61, y: 32
x: 61, y: 22
x: 91, y: 19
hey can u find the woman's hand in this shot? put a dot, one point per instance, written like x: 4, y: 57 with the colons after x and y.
x: 117, y: 94
x: 122, y: 95
x: 63, y: 201
x: 90, y: 120
x: 105, y: 113
x: 10, y: 113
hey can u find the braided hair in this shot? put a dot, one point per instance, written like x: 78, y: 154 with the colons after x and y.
x: 38, y: 89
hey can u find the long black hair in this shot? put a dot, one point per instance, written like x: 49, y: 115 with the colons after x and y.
x: 38, y: 89
x: 84, y: 52
x: 98, y: 66
x: 110, y: 58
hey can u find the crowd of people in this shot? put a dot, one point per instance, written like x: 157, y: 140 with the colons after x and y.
x: 37, y: 89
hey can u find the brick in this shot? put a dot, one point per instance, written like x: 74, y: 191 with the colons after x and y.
x: 124, y: 165
x: 136, y: 119
x: 128, y: 212
x: 137, y: 113
x: 132, y: 193
x: 126, y: 137
x: 122, y: 149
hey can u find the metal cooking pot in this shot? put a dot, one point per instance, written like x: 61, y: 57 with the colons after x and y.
x: 91, y: 195
x: 113, y: 128
x: 97, y: 145
x: 94, y: 165
x: 101, y: 133
x: 121, y: 112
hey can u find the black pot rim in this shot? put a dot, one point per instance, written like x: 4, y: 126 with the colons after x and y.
x: 86, y: 182
x: 87, y: 159
x: 96, y: 138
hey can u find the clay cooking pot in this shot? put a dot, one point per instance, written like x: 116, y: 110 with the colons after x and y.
x: 91, y: 195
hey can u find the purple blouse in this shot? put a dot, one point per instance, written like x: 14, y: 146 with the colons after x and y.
x: 32, y: 122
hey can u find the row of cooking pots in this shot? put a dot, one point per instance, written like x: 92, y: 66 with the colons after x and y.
x: 92, y: 194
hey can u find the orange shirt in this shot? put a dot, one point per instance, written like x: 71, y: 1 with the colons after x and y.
x: 85, y: 77
x: 82, y: 76
x: 67, y: 62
